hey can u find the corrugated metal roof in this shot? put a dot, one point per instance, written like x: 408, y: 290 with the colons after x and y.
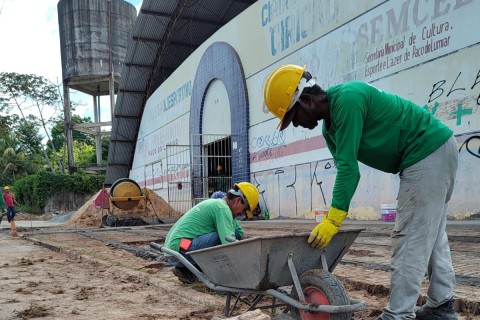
x: 164, y: 35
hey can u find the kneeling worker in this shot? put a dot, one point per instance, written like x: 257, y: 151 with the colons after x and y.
x: 209, y: 223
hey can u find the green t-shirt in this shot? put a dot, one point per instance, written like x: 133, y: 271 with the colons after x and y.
x: 379, y: 129
x: 207, y: 216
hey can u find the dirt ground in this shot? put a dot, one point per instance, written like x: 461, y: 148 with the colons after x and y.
x: 37, y: 282
x: 59, y: 275
x: 68, y: 272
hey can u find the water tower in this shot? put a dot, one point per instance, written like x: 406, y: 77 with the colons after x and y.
x: 94, y: 35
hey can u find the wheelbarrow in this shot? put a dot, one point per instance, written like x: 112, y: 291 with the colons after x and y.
x: 263, y: 266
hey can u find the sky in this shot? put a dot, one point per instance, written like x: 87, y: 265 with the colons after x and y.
x: 30, y: 44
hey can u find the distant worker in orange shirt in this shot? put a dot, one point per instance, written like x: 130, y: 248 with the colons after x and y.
x: 10, y: 202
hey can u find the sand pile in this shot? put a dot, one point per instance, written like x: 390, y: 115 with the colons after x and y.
x: 153, y: 206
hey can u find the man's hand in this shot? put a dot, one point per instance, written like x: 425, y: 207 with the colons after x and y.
x: 322, y: 234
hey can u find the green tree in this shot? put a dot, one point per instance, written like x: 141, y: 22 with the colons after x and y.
x: 30, y: 92
x: 6, y: 124
x: 83, y: 154
x: 58, y: 131
x: 28, y: 135
x: 105, y: 146
x: 14, y: 162
x: 81, y: 141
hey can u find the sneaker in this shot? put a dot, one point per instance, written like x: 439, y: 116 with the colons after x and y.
x: 184, y: 275
x: 445, y: 311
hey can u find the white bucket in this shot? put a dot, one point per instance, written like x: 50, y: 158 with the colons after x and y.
x: 388, y: 212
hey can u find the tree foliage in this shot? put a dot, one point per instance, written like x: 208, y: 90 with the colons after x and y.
x: 25, y: 90
x: 33, y: 191
x: 32, y: 141
x: 28, y: 134
x: 15, y: 162
x: 58, y: 131
x: 84, y: 154
x: 36, y: 100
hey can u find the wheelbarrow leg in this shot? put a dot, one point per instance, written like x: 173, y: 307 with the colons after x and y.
x: 255, y: 301
x: 238, y: 298
x: 295, y: 279
x: 229, y: 311
x: 226, y: 310
x: 324, y: 261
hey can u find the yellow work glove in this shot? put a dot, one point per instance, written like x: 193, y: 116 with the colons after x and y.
x: 325, y: 230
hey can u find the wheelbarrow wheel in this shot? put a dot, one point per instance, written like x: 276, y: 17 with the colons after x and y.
x: 323, y: 288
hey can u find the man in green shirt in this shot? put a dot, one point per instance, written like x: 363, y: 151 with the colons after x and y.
x: 394, y: 135
x: 209, y: 223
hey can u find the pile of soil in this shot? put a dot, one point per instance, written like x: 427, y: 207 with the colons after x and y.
x: 153, y: 206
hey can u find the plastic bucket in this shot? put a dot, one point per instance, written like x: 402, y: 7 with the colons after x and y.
x: 388, y: 212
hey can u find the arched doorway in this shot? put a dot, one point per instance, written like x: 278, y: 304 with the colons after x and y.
x: 219, y: 64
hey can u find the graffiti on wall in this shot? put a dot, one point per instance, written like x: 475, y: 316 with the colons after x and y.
x: 461, y: 96
x: 296, y: 191
x: 266, y: 145
x: 465, y: 194
x: 270, y: 146
x: 472, y: 146
x: 454, y: 97
x: 285, y: 193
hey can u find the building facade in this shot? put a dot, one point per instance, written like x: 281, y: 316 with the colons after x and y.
x: 211, y: 110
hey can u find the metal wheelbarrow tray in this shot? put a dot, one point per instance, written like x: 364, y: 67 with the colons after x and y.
x: 260, y: 265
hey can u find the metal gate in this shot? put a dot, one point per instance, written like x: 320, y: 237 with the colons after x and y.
x: 179, y: 184
x: 211, y: 165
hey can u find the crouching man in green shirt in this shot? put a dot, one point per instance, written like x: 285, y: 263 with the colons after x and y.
x: 394, y: 135
x: 209, y: 223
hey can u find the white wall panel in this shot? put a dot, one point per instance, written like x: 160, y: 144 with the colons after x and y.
x: 216, y: 113
x: 425, y: 51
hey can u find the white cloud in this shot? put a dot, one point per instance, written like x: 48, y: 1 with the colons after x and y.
x: 29, y: 38
x: 30, y: 44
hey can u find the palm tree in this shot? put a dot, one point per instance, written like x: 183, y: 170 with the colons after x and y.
x: 14, y: 161
x: 11, y: 160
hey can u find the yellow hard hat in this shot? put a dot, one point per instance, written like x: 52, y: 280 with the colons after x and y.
x: 219, y: 167
x: 6, y: 188
x: 280, y: 88
x: 249, y: 193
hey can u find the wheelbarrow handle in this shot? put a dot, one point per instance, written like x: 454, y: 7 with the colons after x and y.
x: 184, y: 261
